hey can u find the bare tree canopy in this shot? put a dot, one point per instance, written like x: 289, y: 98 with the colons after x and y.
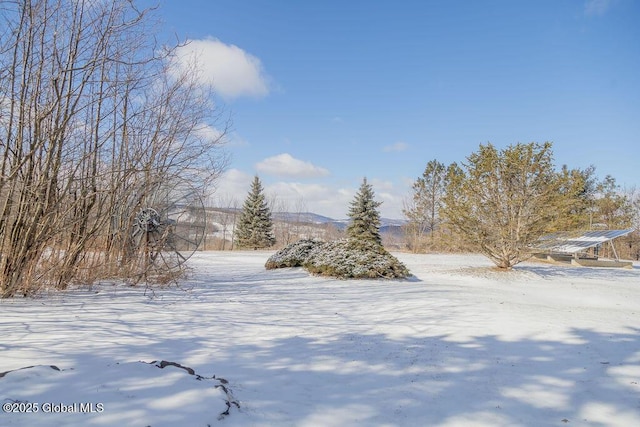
x: 92, y: 115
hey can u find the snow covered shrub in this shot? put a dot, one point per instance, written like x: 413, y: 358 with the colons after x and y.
x: 347, y: 259
x: 352, y: 258
x: 293, y: 255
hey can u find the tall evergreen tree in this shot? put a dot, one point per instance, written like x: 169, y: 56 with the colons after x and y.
x: 578, y: 191
x: 614, y: 209
x: 364, y: 215
x: 255, y: 226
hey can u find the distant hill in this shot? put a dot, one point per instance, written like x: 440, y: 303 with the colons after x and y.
x: 314, y: 218
x: 291, y: 226
x: 307, y: 217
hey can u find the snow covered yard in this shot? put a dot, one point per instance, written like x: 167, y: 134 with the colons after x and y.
x: 458, y: 344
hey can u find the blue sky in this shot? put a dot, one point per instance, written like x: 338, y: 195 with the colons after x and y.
x: 324, y: 93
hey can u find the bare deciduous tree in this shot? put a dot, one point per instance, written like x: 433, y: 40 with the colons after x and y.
x: 423, y: 209
x: 91, y: 118
x: 225, y: 215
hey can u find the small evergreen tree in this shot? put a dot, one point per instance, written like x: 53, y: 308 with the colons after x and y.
x: 364, y: 215
x: 255, y: 226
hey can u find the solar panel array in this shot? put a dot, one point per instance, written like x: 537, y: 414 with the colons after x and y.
x: 574, y: 242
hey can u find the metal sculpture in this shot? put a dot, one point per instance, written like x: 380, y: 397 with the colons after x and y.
x: 169, y: 225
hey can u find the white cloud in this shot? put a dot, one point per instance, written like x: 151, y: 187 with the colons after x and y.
x: 234, y: 139
x: 231, y: 71
x: 291, y: 191
x: 332, y: 200
x: 408, y: 182
x: 209, y: 132
x: 232, y: 185
x: 597, y: 7
x: 229, y: 138
x: 319, y: 199
x: 287, y: 165
x: 391, y: 197
x: 398, y: 146
x: 380, y: 184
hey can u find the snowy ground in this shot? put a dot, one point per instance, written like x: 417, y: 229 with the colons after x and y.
x: 458, y: 344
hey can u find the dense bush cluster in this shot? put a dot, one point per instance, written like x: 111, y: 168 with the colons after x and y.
x: 351, y: 258
x: 294, y: 255
x: 361, y: 255
x: 347, y: 258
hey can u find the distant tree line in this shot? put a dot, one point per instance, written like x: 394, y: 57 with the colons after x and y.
x: 500, y: 201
